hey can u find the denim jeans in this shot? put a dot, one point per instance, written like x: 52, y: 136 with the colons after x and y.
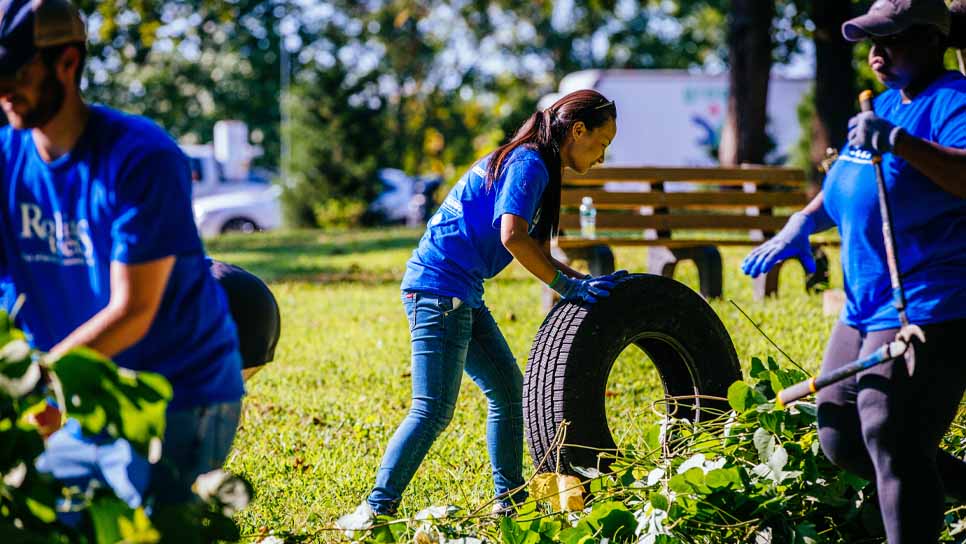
x: 196, y: 440
x: 448, y: 338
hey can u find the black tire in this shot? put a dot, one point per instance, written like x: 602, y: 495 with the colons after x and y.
x: 575, y: 349
x: 240, y: 224
x: 254, y: 310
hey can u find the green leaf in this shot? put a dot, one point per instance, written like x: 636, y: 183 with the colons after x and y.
x: 549, y: 528
x: 773, y: 364
x: 105, y: 513
x: 652, y: 436
x: 577, y: 535
x: 757, y: 368
x: 679, y: 484
x: 381, y: 534
x: 103, y: 397
x: 18, y: 443
x: 723, y: 478
x: 660, y: 501
x: 806, y: 408
x: 742, y: 397
x: 611, y: 520
x: 695, y: 477
x: 805, y: 533
x: 138, y: 529
x: 514, y: 533
x: 772, y: 421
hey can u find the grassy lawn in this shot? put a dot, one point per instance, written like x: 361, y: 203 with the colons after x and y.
x: 317, y: 419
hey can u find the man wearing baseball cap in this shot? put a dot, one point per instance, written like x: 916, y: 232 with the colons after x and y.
x: 885, y: 423
x: 96, y: 229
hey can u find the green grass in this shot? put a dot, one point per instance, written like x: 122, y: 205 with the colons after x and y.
x: 317, y: 419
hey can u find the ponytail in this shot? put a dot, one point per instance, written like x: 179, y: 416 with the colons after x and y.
x: 544, y: 132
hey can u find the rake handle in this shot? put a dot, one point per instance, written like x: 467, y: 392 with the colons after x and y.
x: 800, y: 390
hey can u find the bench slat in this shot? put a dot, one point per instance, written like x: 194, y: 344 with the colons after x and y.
x: 630, y: 200
x: 622, y: 221
x: 718, y: 175
x: 569, y: 242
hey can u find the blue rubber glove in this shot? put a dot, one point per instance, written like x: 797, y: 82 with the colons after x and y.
x: 870, y: 132
x: 613, y: 276
x: 790, y: 242
x: 586, y: 289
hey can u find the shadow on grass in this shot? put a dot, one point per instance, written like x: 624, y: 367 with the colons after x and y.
x: 317, y: 256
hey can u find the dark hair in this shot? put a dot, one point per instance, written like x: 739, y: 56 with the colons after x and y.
x: 50, y: 56
x: 545, y: 132
x: 957, y: 28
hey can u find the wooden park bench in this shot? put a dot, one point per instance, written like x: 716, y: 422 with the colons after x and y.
x: 718, y: 207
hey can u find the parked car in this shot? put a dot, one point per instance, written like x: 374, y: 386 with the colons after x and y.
x: 227, y: 194
x: 404, y: 199
x: 239, y: 211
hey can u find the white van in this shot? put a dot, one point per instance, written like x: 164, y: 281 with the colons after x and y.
x: 674, y: 117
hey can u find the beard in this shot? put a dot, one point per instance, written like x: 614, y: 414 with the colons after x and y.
x: 51, y: 93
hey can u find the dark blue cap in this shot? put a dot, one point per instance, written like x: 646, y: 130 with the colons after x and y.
x: 29, y: 25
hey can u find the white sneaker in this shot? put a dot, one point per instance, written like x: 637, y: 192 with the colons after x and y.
x: 361, y: 519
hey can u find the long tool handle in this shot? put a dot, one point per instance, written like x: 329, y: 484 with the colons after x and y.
x: 800, y: 390
x: 888, y: 237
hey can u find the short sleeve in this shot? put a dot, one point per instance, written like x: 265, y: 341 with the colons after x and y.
x: 951, y: 131
x: 152, y: 210
x: 520, y: 190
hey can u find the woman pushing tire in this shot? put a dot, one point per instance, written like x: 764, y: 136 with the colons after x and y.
x: 506, y: 207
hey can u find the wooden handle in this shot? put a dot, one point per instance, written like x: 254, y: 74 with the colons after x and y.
x: 795, y: 392
x: 865, y: 100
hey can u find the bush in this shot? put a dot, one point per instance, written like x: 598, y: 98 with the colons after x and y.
x: 753, y: 475
x: 339, y: 213
x: 103, y: 398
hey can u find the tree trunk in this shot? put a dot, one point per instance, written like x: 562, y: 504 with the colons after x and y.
x: 834, y: 79
x: 743, y: 138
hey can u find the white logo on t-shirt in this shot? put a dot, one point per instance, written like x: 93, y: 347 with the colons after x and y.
x: 65, y: 242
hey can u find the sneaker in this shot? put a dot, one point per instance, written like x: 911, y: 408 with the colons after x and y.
x: 503, y: 509
x: 361, y: 519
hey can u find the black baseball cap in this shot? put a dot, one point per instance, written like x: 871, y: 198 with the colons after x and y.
x: 27, y: 26
x: 888, y: 17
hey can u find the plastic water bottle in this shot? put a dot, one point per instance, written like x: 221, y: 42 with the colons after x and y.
x: 588, y: 218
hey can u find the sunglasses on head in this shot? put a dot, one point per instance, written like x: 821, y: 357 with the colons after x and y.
x: 609, y: 103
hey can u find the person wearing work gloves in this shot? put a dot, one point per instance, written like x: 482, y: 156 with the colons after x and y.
x: 884, y: 424
x: 506, y: 206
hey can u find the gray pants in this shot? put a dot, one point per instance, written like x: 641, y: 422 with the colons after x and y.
x: 886, y: 426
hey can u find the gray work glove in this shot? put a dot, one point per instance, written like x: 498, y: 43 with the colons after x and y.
x: 869, y: 132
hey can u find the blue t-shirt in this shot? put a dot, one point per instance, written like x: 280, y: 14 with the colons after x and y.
x: 929, y: 223
x: 461, y: 246
x: 122, y: 194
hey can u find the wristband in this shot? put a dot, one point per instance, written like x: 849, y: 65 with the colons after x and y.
x: 558, y: 279
x: 893, y: 136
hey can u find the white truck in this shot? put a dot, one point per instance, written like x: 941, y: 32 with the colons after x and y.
x: 227, y: 195
x: 674, y: 117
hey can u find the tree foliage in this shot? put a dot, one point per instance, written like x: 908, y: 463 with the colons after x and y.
x: 425, y: 86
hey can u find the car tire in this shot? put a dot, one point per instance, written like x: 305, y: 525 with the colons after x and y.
x: 240, y: 224
x: 576, y: 347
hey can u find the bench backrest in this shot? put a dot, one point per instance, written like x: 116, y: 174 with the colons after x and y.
x: 716, y: 198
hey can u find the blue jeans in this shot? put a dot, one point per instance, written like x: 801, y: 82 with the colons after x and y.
x: 196, y: 440
x: 448, y: 338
